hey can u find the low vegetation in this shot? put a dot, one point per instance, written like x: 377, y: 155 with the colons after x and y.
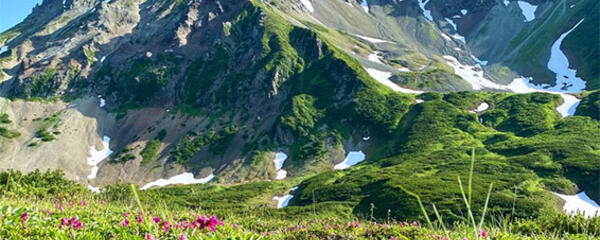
x: 63, y: 209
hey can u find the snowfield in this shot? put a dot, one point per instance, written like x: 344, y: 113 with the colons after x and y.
x: 353, y: 158
x: 96, y: 156
x: 528, y: 10
x: 475, y: 76
x: 580, y: 203
x: 184, y: 178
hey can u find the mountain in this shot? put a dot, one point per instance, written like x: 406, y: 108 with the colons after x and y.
x: 135, y: 91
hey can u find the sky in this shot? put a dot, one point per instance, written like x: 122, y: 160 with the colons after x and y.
x: 14, y: 11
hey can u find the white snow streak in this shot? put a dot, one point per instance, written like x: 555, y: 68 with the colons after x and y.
x: 308, y: 5
x: 279, y: 159
x: 383, y: 78
x: 426, y: 13
x: 98, y: 155
x: 373, y: 40
x: 184, y: 178
x: 559, y: 64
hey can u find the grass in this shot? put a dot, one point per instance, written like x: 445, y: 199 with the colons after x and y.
x: 44, y: 205
x: 149, y: 152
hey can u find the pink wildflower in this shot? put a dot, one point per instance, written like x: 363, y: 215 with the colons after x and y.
x: 165, y: 225
x: 415, y: 224
x: 150, y: 237
x: 483, y: 233
x: 156, y: 219
x: 24, y: 217
x: 214, y: 222
x: 182, y: 237
x: 139, y: 218
x: 76, y: 224
x: 83, y: 203
x: 65, y: 221
x: 126, y: 222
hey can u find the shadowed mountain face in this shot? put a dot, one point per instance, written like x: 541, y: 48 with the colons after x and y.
x: 220, y: 87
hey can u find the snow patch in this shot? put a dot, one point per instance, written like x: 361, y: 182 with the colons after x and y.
x: 580, y: 203
x: 94, y: 189
x: 419, y: 100
x: 559, y: 64
x: 471, y: 74
x: 426, y: 13
x: 283, y: 201
x: 184, y: 178
x: 446, y: 37
x: 98, y: 155
x: 373, y: 40
x: 374, y: 57
x: 479, y: 61
x: 569, y: 105
x: 383, y: 78
x: 459, y: 37
x: 103, y: 58
x: 353, y: 158
x: 366, y: 138
x: 403, y: 69
x: 464, y: 11
x: 482, y: 107
x: 474, y: 75
x: 3, y: 49
x: 279, y: 159
x: 365, y: 5
x: 308, y: 5
x: 506, y: 2
x: 102, y: 102
x: 451, y: 23
x: 523, y: 85
x: 528, y: 10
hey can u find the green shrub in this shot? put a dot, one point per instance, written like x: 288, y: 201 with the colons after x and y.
x: 303, y: 115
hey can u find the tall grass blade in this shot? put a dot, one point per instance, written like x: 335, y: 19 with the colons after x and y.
x: 462, y: 191
x: 137, y: 198
x: 487, y: 200
x: 471, y: 174
x: 437, y: 214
